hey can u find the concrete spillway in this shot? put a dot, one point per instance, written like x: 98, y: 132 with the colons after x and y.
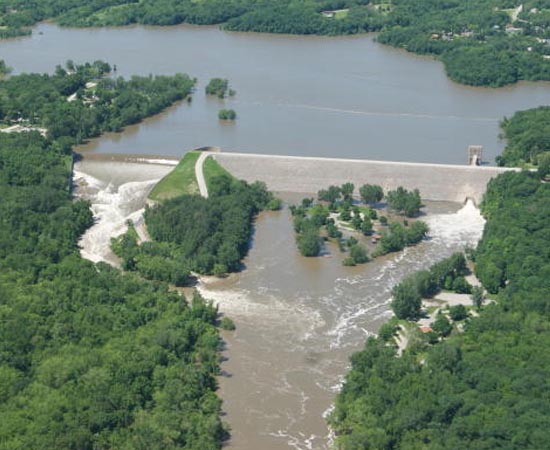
x: 308, y: 175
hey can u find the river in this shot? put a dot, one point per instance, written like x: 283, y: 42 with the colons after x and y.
x: 298, y: 319
x: 308, y: 96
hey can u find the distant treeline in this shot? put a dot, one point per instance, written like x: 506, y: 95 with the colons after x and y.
x: 485, y: 387
x: 481, y: 42
x: 89, y: 357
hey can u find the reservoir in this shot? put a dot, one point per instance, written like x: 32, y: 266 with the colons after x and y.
x: 345, y: 97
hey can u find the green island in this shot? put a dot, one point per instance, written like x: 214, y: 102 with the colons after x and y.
x: 90, y: 357
x: 189, y: 233
x: 480, y: 42
x: 227, y: 114
x: 79, y: 102
x: 219, y: 87
x: 336, y: 210
x: 477, y: 380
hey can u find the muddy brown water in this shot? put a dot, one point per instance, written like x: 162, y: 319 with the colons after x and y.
x: 298, y: 319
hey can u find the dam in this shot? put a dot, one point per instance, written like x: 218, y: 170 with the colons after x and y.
x: 437, y: 182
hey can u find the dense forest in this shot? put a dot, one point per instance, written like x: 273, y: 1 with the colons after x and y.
x: 78, y: 102
x: 89, y: 358
x: 481, y: 42
x: 191, y: 233
x: 527, y: 135
x: 484, y: 387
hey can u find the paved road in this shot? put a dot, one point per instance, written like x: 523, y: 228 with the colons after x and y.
x: 199, y: 174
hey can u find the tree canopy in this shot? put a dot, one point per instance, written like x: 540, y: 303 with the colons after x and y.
x: 482, y: 388
x: 527, y: 135
x: 89, y: 357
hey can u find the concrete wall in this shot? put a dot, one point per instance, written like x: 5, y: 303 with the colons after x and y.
x: 308, y: 175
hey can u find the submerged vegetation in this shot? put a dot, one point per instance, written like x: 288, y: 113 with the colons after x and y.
x: 480, y: 42
x: 219, y: 87
x: 227, y: 114
x: 336, y: 211
x: 90, y: 357
x: 480, y: 388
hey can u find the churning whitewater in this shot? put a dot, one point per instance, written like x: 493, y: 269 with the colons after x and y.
x: 298, y: 319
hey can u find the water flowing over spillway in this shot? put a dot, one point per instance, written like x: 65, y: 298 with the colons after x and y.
x: 298, y: 319
x: 115, y: 198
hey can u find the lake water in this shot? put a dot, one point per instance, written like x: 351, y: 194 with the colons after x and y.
x: 310, y: 96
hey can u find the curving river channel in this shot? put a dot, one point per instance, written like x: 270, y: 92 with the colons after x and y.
x: 298, y: 319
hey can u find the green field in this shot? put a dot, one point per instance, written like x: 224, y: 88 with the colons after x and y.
x: 212, y: 169
x: 178, y: 182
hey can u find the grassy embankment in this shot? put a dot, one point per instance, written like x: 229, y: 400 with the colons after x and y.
x: 179, y: 181
x: 212, y: 169
x: 182, y: 179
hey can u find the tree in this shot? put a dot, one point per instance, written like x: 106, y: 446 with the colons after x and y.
x: 366, y: 227
x: 217, y: 87
x: 406, y: 301
x: 442, y: 326
x: 461, y: 286
x: 371, y: 193
x: 227, y: 114
x: 544, y: 165
x: 331, y: 195
x: 477, y: 297
x: 458, y: 312
x: 404, y: 201
x: 347, y: 190
x: 309, y: 242
x: 359, y: 254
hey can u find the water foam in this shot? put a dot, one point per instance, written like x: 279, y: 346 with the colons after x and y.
x: 464, y: 227
x: 112, y: 207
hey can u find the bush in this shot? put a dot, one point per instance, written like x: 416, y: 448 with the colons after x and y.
x: 461, y: 286
x: 309, y: 242
x: 458, y: 313
x: 406, y: 300
x: 217, y: 87
x: 227, y: 114
x: 227, y: 324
